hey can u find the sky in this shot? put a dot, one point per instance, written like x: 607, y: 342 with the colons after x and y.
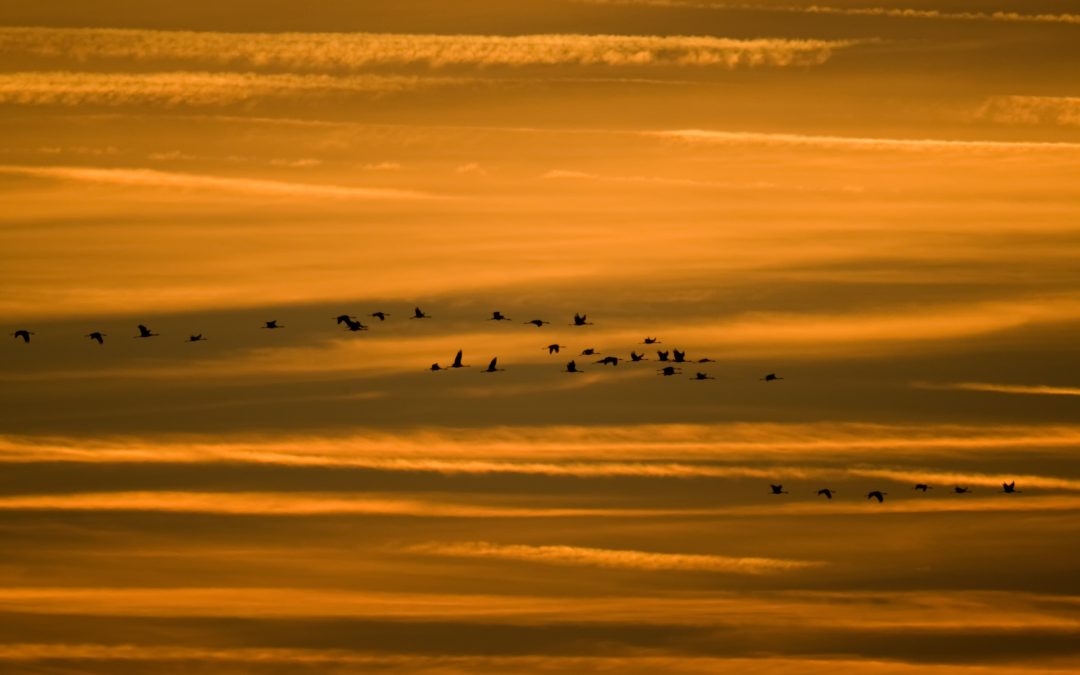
x: 877, y: 201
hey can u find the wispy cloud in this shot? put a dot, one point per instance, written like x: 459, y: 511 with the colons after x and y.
x: 890, y: 12
x: 560, y: 174
x: 153, y: 178
x: 192, y: 88
x: 857, y: 143
x: 612, y: 558
x: 1030, y: 110
x: 355, y: 51
x: 1036, y: 390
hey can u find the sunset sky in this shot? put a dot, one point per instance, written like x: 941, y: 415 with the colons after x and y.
x: 877, y: 201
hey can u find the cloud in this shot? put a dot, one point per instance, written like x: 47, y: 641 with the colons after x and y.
x: 153, y: 178
x: 890, y: 12
x: 191, y: 88
x: 1061, y: 111
x: 612, y: 558
x: 559, y: 174
x: 356, y: 51
x: 702, y: 136
x: 1035, y: 390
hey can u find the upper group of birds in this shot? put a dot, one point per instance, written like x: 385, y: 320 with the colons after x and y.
x: 353, y: 324
x: 1006, y: 488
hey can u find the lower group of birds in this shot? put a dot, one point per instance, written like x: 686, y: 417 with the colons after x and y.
x: 354, y: 324
x: 1006, y: 488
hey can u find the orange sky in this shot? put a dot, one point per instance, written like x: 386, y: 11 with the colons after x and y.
x: 878, y: 201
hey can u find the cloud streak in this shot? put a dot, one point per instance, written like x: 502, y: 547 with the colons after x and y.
x: 710, y: 137
x: 1061, y: 111
x: 1033, y: 390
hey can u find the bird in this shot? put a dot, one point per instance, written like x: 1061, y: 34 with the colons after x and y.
x: 145, y: 332
x: 196, y: 338
x: 579, y: 320
x: 554, y: 349
x: 354, y: 325
x: 662, y: 355
x: 877, y: 494
x: 457, y: 361
x: 680, y: 357
x: 537, y: 322
x: 419, y: 314
x: 703, y: 376
x: 98, y: 336
x: 571, y: 367
x: 381, y: 316
x: 825, y: 491
x: 272, y: 324
x: 24, y: 334
x: 770, y: 377
x: 1009, y: 488
x: 778, y: 489
x: 634, y: 356
x: 436, y: 366
x: 491, y: 366
x: 922, y: 486
x: 342, y: 318
x: 706, y: 360
x: 498, y: 316
x: 651, y: 341
x: 668, y: 371
x: 609, y: 361
x: 588, y: 352
x: 961, y: 490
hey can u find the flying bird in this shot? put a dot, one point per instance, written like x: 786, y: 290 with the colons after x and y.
x: 196, y: 338
x: 572, y: 367
x: 1009, y: 488
x: 381, y: 316
x: 24, y: 334
x: 634, y: 356
x: 588, y: 352
x: 778, y: 489
x: 273, y: 324
x: 703, y: 376
x: 579, y: 320
x: 668, y: 371
x: 554, y: 349
x: 145, y: 332
x: 662, y: 355
x: 877, y: 494
x: 706, y: 360
x: 680, y: 357
x: 922, y: 486
x: 419, y: 314
x: 491, y: 367
x: 457, y: 361
x: 498, y: 316
x: 961, y: 490
x: 609, y: 361
x: 651, y: 341
x: 344, y: 318
x: 827, y: 492
x: 354, y: 325
x: 98, y: 336
x: 436, y: 366
x: 537, y: 322
x: 771, y: 376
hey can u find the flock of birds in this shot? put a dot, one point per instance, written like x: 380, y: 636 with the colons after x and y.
x: 1006, y: 488
x: 353, y: 324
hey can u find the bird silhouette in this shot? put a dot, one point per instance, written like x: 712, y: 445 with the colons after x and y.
x: 651, y: 341
x: 827, y: 492
x: 588, y: 352
x: 491, y: 366
x: 609, y: 361
x: 579, y: 320
x: 381, y: 316
x: 706, y: 360
x: 778, y: 489
x: 554, y: 349
x: 272, y: 324
x: 436, y: 366
x: 419, y: 314
x: 196, y: 338
x: 1009, y: 488
x: 457, y: 361
x: 571, y: 367
x: 703, y: 376
x: 343, y: 318
x: 24, y: 334
x: 680, y: 357
x: 960, y: 490
x: 922, y: 486
x: 537, y: 322
x: 662, y: 355
x: 498, y: 316
x: 634, y: 356
x: 668, y: 371
x: 97, y: 336
x: 354, y: 325
x: 771, y: 376
x: 145, y: 332
x: 877, y: 494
